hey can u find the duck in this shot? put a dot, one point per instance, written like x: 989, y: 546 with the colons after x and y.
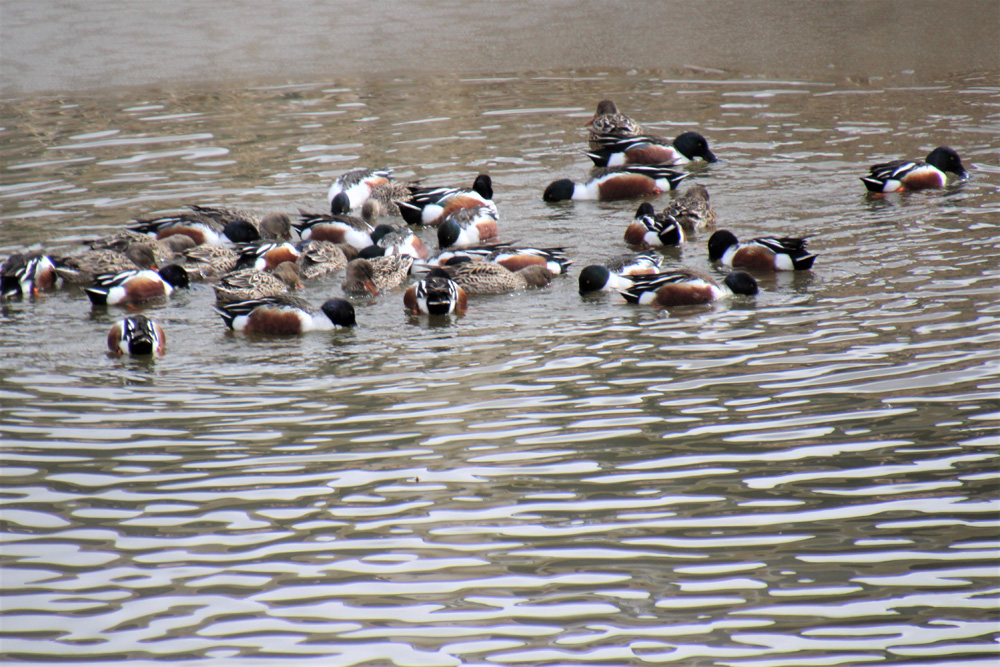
x: 467, y: 227
x: 357, y: 185
x: 375, y: 274
x: 493, y: 278
x: 248, y: 284
x: 435, y: 294
x: 270, y: 226
x: 203, y: 227
x: 319, y: 258
x: 608, y: 122
x: 903, y: 175
x: 136, y: 286
x: 618, y: 274
x: 339, y: 227
x: 507, y: 255
x: 27, y: 274
x: 266, y: 256
x: 652, y: 150
x: 429, y: 206
x: 208, y: 262
x: 137, y: 336
x: 761, y: 254
x: 82, y: 269
x: 686, y: 288
x: 396, y: 241
x: 613, y: 183
x: 388, y: 195
x: 693, y: 210
x: 165, y: 250
x: 286, y: 315
x: 650, y: 230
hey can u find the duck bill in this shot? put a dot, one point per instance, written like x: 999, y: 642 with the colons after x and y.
x: 370, y: 287
x: 710, y: 156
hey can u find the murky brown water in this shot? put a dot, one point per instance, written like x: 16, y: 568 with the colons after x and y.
x: 806, y: 478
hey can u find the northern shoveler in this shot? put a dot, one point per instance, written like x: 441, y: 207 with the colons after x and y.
x: 373, y: 275
x: 507, y: 255
x: 164, y: 250
x: 618, y: 274
x: 493, y: 278
x: 286, y: 316
x: 358, y: 184
x: 271, y: 226
x: 26, y: 274
x: 692, y: 210
x: 608, y: 184
x: 435, y: 294
x: 208, y: 262
x: 84, y: 268
x: 266, y: 256
x: 136, y: 286
x: 609, y: 123
x: 650, y: 229
x: 396, y: 241
x: 429, y: 206
x: 138, y: 336
x: 686, y: 288
x: 319, y: 258
x: 249, y: 284
x: 206, y: 225
x: 389, y: 195
x: 339, y: 227
x: 900, y: 175
x: 468, y: 227
x: 760, y: 254
x: 652, y: 150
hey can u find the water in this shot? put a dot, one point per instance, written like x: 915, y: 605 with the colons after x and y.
x: 804, y: 478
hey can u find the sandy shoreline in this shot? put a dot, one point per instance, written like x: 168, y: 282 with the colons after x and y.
x: 50, y: 47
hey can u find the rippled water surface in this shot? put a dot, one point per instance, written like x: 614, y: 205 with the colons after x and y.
x: 805, y: 478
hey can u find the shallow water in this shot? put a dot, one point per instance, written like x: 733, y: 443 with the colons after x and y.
x: 807, y: 477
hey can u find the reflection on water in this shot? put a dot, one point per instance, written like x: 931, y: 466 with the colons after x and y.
x: 808, y: 477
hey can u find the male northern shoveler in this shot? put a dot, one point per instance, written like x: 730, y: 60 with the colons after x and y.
x: 319, y: 258
x: 608, y: 184
x: 435, y: 294
x: 266, y: 256
x: 902, y: 175
x: 286, y: 316
x: 136, y: 286
x: 202, y: 227
x: 651, y: 150
x: 609, y: 123
x: 619, y: 273
x: 760, y: 254
x: 358, y: 184
x: 429, y: 206
x: 507, y: 255
x: 339, y: 227
x: 396, y: 241
x: 84, y: 268
x: 272, y: 226
x: 374, y: 274
x: 692, y: 210
x: 26, y: 274
x: 249, y: 284
x: 493, y: 278
x: 650, y: 229
x: 468, y: 227
x: 686, y: 288
x: 137, y: 335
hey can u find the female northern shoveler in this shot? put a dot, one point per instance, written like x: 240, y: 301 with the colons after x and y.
x: 136, y: 286
x: 208, y: 262
x: 647, y: 149
x: 164, y: 250
x: 761, y: 254
x: 388, y: 196
x: 249, y: 284
x: 429, y: 206
x: 358, y: 184
x: 608, y: 184
x: 338, y: 227
x: 609, y: 123
x: 692, y: 210
x: 84, y: 268
x: 619, y: 273
x: 285, y: 316
x: 376, y: 274
x: 319, y: 258
x: 138, y: 336
x: 686, y: 288
x: 468, y: 227
x: 266, y: 256
x: 435, y: 294
x: 26, y: 274
x: 395, y: 241
x: 493, y: 278
x: 649, y: 229
x: 902, y: 175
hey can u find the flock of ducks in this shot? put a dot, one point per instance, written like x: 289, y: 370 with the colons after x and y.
x: 254, y: 265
